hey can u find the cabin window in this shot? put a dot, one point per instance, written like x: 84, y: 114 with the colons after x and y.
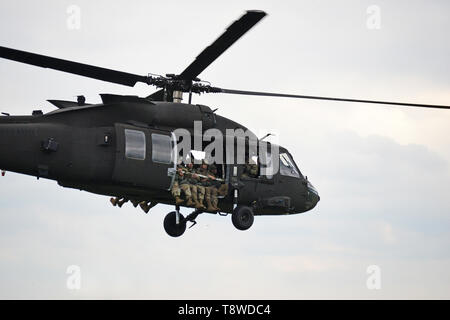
x: 162, y: 148
x: 287, y: 167
x: 134, y: 144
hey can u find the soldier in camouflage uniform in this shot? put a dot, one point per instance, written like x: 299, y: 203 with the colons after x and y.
x: 185, y: 186
x: 211, y: 189
x: 194, y: 180
x: 250, y: 170
x: 222, y: 189
x: 182, y: 183
x: 202, y: 183
x: 176, y: 192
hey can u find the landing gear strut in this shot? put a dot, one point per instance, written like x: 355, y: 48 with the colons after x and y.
x: 191, y: 217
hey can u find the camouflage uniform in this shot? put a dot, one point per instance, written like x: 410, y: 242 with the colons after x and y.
x: 181, y: 183
x: 176, y: 192
x: 211, y: 189
x: 184, y: 184
x: 176, y: 188
x: 250, y: 170
x: 193, y: 185
x: 202, y: 184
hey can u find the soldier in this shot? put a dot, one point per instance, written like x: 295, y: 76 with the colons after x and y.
x: 176, y: 192
x: 223, y: 189
x: 181, y: 183
x: 194, y: 180
x: 250, y: 170
x: 211, y: 189
x: 202, y: 174
x: 185, y: 186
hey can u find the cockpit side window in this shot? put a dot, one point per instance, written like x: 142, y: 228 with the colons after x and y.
x: 287, y: 167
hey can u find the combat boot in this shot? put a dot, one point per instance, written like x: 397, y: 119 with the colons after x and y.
x: 210, y: 206
x: 223, y: 190
x: 199, y: 205
x: 121, y: 202
x: 135, y: 203
x: 113, y: 201
x: 178, y: 201
x: 190, y: 203
x: 144, y: 206
x: 215, y: 203
x: 200, y: 200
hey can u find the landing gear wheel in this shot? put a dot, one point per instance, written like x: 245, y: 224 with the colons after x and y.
x: 172, y: 228
x: 242, y: 217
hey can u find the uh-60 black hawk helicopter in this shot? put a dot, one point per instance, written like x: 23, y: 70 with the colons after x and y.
x: 125, y: 146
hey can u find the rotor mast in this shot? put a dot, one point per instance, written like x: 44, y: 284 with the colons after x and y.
x: 177, y: 96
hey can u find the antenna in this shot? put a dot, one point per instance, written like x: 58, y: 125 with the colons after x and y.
x: 267, y: 135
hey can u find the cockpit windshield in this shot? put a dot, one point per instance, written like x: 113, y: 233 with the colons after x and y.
x: 287, y: 166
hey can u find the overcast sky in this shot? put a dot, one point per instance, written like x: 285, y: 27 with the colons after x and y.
x: 382, y: 172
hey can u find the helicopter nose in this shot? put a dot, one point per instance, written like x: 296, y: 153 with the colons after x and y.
x: 313, y: 196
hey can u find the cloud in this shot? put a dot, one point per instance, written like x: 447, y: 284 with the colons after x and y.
x: 382, y: 173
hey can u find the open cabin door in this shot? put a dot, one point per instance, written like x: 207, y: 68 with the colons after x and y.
x: 144, y: 157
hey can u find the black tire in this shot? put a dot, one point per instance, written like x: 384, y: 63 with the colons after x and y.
x: 173, y: 229
x: 242, y: 217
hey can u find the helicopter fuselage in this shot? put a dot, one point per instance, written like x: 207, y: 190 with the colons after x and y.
x: 84, y: 147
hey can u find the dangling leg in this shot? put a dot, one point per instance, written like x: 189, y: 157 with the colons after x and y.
x: 147, y: 205
x: 121, y: 202
x: 144, y: 206
x: 177, y: 193
x: 186, y: 188
x: 114, y: 201
x: 201, y: 196
x: 223, y: 190
x: 214, y: 199
x: 194, y: 194
x: 208, y: 199
x: 135, y: 203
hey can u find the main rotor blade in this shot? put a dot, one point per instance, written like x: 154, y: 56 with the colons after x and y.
x: 226, y: 40
x: 282, y: 95
x: 119, y: 77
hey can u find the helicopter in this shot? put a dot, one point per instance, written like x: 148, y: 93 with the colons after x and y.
x: 127, y: 147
